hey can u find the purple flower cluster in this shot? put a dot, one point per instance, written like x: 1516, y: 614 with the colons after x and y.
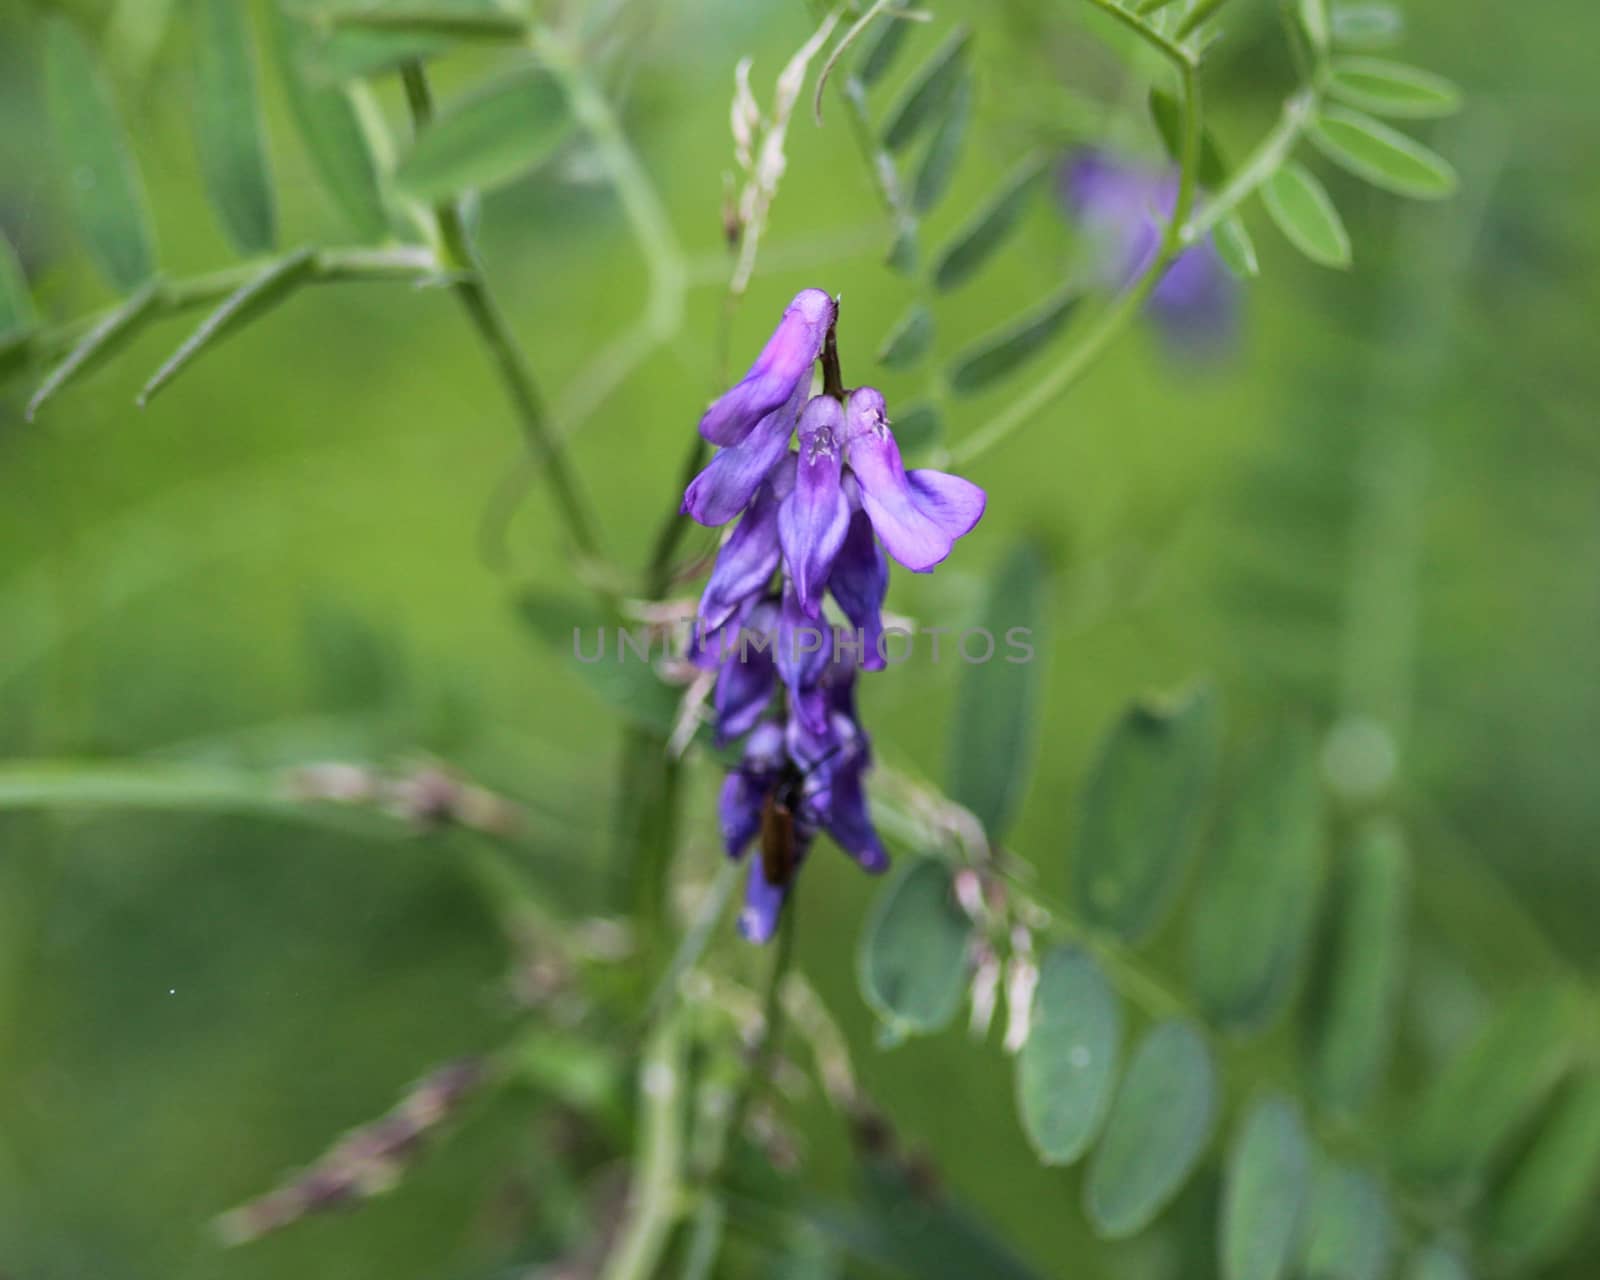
x: 1123, y: 206
x: 818, y: 522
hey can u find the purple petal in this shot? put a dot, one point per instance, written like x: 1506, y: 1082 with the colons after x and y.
x: 749, y: 557
x: 814, y: 518
x: 746, y: 680
x: 859, y: 582
x: 739, y: 811
x: 763, y: 903
x: 919, y: 520
x: 727, y: 485
x: 781, y: 370
x: 850, y: 825
x: 803, y: 652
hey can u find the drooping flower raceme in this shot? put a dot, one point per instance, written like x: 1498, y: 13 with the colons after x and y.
x: 1124, y: 206
x: 818, y: 522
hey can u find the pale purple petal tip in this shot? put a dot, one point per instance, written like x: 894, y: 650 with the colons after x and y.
x: 784, y: 365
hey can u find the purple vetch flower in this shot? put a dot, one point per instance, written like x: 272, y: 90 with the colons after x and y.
x: 815, y: 517
x: 1123, y: 207
x: 781, y: 372
x: 918, y: 514
x: 820, y: 522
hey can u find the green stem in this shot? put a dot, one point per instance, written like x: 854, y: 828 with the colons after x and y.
x: 471, y: 287
x: 1117, y: 316
x: 409, y: 263
x: 1261, y: 164
x: 656, y: 1200
x: 771, y: 1029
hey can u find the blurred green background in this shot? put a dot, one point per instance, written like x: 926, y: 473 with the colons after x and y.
x: 1381, y: 503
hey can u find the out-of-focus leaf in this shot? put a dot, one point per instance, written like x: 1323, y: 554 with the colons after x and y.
x: 103, y: 189
x: 228, y: 128
x: 1366, y: 26
x: 1349, y: 1227
x: 1364, y: 968
x: 902, y: 256
x: 16, y: 304
x: 909, y: 340
x: 470, y: 21
x: 487, y: 139
x: 1141, y: 808
x: 1068, y: 1066
x: 1002, y: 353
x: 1436, y: 1262
x: 1391, y: 88
x: 992, y: 739
x: 98, y: 345
x: 913, y: 959
x: 975, y: 243
x: 250, y: 301
x: 1302, y: 210
x: 917, y: 428
x: 943, y: 156
x: 1490, y: 1090
x: 1235, y: 247
x: 620, y: 673
x: 1168, y: 117
x: 1555, y: 1184
x: 1162, y: 1119
x: 879, y: 50
x: 1253, y: 915
x: 1267, y: 1182
x: 333, y: 125
x: 928, y: 91
x: 925, y: 1233
x: 1382, y: 156
x: 1313, y: 16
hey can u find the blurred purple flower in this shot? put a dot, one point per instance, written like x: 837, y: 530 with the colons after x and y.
x: 1123, y: 206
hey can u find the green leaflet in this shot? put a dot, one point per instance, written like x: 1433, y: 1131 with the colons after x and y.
x: 928, y: 91
x: 228, y: 127
x: 99, y: 344
x: 1552, y: 1190
x: 1068, y: 1067
x: 488, y: 138
x: 1002, y: 353
x: 1366, y: 26
x: 1391, y: 88
x: 1300, y: 207
x: 1380, y: 155
x: 1140, y: 810
x: 917, y: 428
x: 909, y: 340
x: 997, y: 705
x: 879, y: 49
x: 1267, y: 1179
x: 1258, y: 891
x: 1349, y: 1227
x: 16, y: 304
x: 975, y: 243
x: 1162, y: 1119
x: 943, y: 156
x: 249, y: 302
x: 332, y: 128
x: 913, y: 958
x: 1235, y: 247
x: 1168, y: 118
x: 1490, y: 1090
x: 1364, y: 968
x: 104, y: 193
x: 1438, y: 1263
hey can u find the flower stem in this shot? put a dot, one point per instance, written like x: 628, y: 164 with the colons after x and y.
x: 1262, y: 163
x: 772, y: 1014
x: 471, y: 287
x: 1117, y: 315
